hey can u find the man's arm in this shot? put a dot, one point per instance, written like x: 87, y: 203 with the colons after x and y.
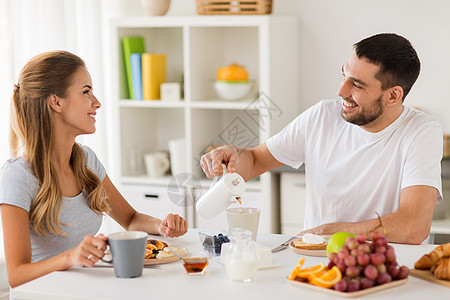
x: 247, y: 162
x: 410, y: 224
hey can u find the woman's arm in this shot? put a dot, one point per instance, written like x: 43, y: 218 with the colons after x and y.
x: 16, y: 236
x: 130, y: 219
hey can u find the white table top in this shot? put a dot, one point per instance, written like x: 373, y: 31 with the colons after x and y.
x: 170, y: 281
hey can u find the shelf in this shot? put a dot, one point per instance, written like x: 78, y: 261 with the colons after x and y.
x: 196, y: 47
x: 152, y: 103
x: 217, y: 104
x: 145, y: 180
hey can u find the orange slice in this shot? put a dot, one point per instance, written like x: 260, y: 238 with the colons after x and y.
x: 297, y: 269
x: 327, y: 280
x: 308, y: 272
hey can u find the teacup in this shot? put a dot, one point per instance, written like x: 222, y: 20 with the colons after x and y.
x: 128, y: 253
x: 157, y: 164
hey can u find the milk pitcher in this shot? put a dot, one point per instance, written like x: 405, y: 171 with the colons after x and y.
x: 221, y: 194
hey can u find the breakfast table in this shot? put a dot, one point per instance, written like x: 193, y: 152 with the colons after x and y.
x: 170, y: 281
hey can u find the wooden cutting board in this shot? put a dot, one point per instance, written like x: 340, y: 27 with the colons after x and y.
x: 427, y: 275
x: 352, y: 294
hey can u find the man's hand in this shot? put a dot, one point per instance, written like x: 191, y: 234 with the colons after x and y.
x: 212, y: 161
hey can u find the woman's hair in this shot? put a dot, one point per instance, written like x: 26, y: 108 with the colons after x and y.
x: 32, y: 130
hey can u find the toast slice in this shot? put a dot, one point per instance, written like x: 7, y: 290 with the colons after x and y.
x: 299, y: 244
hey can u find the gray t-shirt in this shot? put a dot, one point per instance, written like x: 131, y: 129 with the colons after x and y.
x: 19, y: 187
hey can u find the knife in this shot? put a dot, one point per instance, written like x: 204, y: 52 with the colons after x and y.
x: 284, y: 245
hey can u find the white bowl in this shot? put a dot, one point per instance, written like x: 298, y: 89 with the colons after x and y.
x: 229, y: 90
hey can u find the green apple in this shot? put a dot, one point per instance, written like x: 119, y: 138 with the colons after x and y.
x: 337, y: 241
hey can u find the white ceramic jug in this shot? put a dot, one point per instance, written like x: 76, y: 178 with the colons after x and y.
x: 221, y: 194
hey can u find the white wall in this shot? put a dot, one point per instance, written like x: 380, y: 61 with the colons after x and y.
x: 329, y: 28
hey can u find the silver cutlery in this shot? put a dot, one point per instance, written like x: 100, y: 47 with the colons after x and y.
x: 284, y: 245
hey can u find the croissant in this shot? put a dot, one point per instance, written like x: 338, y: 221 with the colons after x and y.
x: 442, y: 269
x: 430, y: 259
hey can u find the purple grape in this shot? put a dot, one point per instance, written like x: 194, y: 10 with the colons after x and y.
x: 384, y: 278
x: 331, y: 264
x: 342, y: 254
x: 352, y: 271
x: 367, y: 283
x: 381, y: 241
x: 355, y: 252
x: 393, y: 270
x: 380, y: 249
x: 371, y: 272
x: 350, y: 261
x: 365, y: 248
x: 353, y: 286
x: 341, y: 286
x: 332, y: 255
x: 363, y: 259
x: 377, y: 258
x: 341, y: 266
x: 381, y: 268
x: 390, y: 255
x: 374, y: 235
x: 361, y: 237
x: 403, y: 272
x: 351, y: 243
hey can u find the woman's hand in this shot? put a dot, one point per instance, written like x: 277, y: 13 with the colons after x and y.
x: 172, y: 226
x: 88, y: 252
x: 212, y: 161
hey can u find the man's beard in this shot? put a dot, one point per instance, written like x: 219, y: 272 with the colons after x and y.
x: 367, y: 116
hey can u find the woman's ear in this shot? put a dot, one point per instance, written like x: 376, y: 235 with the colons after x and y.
x: 396, y: 94
x: 55, y: 103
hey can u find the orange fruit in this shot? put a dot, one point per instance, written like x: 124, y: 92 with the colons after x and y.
x: 233, y: 72
x: 308, y: 272
x: 327, y: 280
x: 296, y: 269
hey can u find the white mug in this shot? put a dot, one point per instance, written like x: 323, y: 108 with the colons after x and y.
x: 157, y: 164
x: 221, y: 194
x: 177, y: 149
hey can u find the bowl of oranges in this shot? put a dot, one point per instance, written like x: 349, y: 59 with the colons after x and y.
x: 233, y: 82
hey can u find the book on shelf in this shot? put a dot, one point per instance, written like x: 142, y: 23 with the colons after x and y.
x: 136, y: 75
x: 153, y: 74
x: 131, y: 44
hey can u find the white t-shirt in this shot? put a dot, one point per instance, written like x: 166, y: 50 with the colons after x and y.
x: 352, y: 173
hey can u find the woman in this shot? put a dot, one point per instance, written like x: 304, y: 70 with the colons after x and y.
x: 53, y: 198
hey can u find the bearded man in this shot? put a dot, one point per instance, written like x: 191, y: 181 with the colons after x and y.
x: 364, y: 153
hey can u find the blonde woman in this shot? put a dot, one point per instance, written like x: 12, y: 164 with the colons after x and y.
x: 53, y: 197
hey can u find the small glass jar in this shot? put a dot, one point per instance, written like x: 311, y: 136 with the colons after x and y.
x: 241, y: 256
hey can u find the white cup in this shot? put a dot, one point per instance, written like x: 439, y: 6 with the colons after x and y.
x: 244, y: 217
x: 177, y: 149
x: 220, y: 195
x: 157, y: 164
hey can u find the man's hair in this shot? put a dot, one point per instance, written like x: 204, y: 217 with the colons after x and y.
x: 398, y: 61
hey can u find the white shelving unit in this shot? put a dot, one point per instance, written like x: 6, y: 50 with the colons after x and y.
x: 196, y: 47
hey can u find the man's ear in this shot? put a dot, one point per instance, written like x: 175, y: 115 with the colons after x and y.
x: 395, y: 94
x: 55, y: 102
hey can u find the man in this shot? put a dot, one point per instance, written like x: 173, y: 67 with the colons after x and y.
x: 364, y: 154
